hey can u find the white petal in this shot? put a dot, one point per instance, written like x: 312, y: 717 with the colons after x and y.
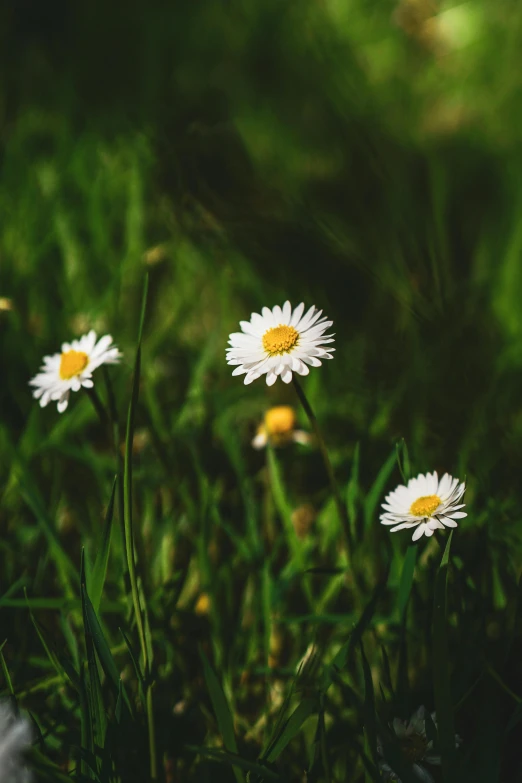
x: 271, y: 378
x: 287, y: 312
x: 258, y: 323
x: 306, y: 319
x: 277, y: 313
x: 312, y: 361
x: 269, y: 318
x: 103, y: 345
x: 249, y: 331
x: 89, y: 341
x: 286, y: 376
x: 444, y: 486
x: 302, y: 437
x: 253, y: 375
x: 302, y: 369
x: 418, y: 533
x: 448, y: 522
x: 296, y: 315
x: 62, y: 404
x: 260, y: 440
x: 402, y: 526
x: 241, y: 340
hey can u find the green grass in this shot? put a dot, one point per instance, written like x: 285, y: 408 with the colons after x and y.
x: 159, y: 598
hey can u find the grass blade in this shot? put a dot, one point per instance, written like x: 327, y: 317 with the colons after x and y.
x: 95, y: 703
x: 129, y: 536
x: 441, y: 669
x: 292, y: 726
x: 370, y: 720
x: 377, y: 489
x: 108, y: 664
x: 102, y: 558
x: 406, y: 583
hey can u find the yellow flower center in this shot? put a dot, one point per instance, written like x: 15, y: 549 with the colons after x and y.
x: 280, y: 339
x: 72, y: 363
x: 413, y: 748
x: 425, y: 506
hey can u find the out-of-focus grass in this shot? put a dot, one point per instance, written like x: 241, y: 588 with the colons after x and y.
x: 362, y: 159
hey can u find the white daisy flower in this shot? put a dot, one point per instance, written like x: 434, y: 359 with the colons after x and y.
x: 414, y: 747
x: 425, y: 504
x: 16, y: 735
x: 280, y: 342
x: 278, y: 428
x: 72, y: 368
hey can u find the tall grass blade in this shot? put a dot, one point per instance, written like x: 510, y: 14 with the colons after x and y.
x: 406, y: 582
x: 292, y: 726
x: 102, y: 558
x: 441, y: 669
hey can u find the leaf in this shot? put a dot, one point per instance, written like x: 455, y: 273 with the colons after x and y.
x: 406, y: 583
x: 64, y: 565
x: 292, y: 726
x: 137, y: 669
x: 100, y: 565
x: 377, y: 489
x: 284, y: 509
x: 85, y: 724
x: 344, y: 654
x: 441, y: 669
x: 352, y: 488
x: 127, y: 484
x: 221, y: 710
x: 5, y: 670
x: 108, y: 664
x: 63, y: 667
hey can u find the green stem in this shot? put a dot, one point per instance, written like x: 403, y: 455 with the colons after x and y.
x: 341, y: 507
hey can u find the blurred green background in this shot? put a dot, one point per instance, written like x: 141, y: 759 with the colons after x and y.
x: 361, y: 156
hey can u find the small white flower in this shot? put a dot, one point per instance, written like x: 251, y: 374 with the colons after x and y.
x: 279, y: 342
x: 278, y: 428
x: 16, y: 735
x: 72, y: 368
x: 414, y: 747
x: 425, y: 504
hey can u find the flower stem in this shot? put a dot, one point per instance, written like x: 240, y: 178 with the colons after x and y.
x: 341, y: 507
